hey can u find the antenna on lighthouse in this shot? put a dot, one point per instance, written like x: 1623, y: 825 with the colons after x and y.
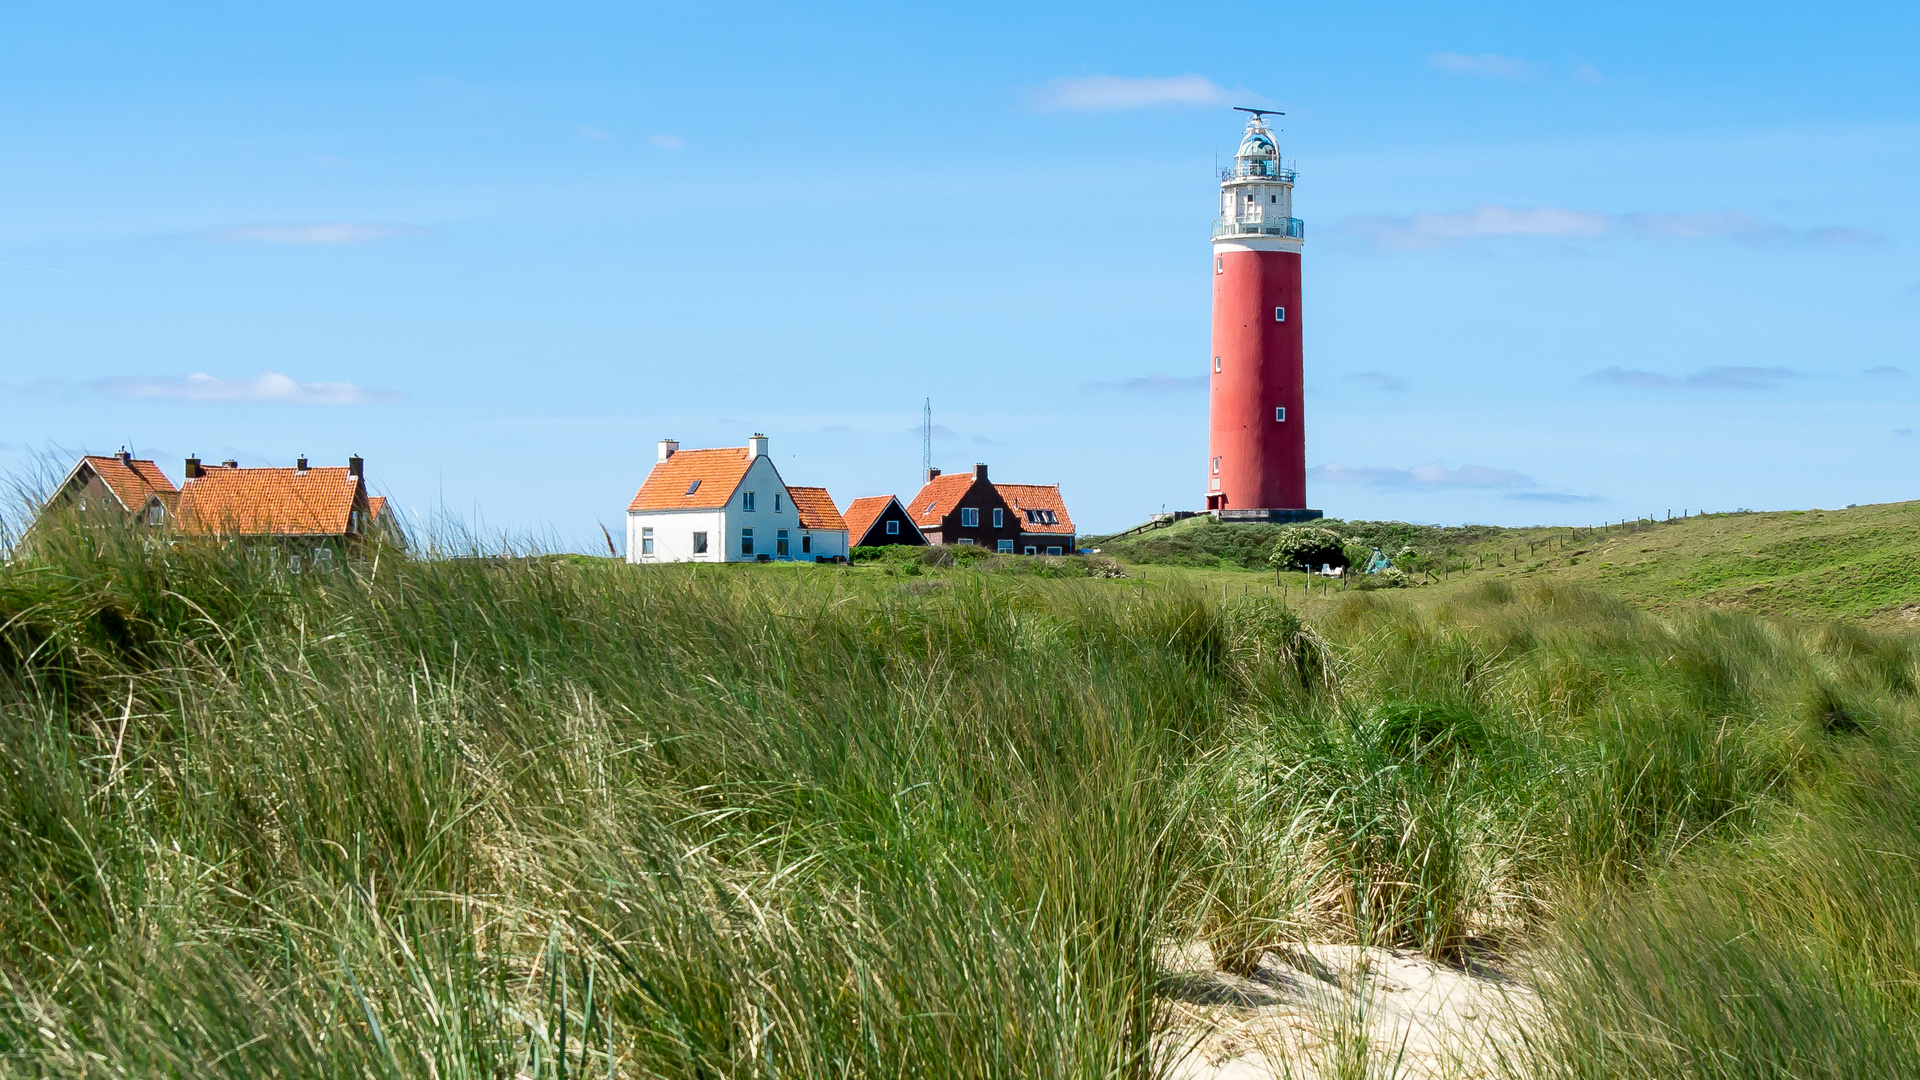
x: 1259, y: 113
x: 926, y: 439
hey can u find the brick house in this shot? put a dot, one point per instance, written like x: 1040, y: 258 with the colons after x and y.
x: 967, y: 508
x: 880, y: 520
x: 117, y: 487
x: 303, y: 505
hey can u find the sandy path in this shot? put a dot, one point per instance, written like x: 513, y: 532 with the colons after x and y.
x: 1319, y: 1010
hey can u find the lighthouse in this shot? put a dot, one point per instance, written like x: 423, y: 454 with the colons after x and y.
x: 1256, y: 445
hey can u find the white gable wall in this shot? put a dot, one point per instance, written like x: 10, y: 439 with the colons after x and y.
x: 673, y: 529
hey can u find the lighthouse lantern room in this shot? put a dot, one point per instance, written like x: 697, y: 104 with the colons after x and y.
x: 1256, y: 455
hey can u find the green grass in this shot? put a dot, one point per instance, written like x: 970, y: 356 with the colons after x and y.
x: 552, y: 816
x: 1854, y: 564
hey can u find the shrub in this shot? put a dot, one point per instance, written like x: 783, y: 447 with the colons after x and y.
x: 1305, y: 547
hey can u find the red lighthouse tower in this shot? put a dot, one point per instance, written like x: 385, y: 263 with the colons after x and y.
x: 1257, y: 447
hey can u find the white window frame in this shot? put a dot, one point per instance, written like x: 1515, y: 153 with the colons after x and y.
x: 700, y: 543
x: 1219, y: 264
x: 1279, y: 414
x: 776, y: 502
x: 1005, y: 547
x: 893, y: 528
x: 1053, y: 549
x: 969, y: 517
x: 746, y: 501
x: 999, y: 518
x: 746, y: 540
x: 1031, y: 550
x: 1279, y: 314
x: 1216, y: 365
x: 781, y: 550
x: 646, y: 540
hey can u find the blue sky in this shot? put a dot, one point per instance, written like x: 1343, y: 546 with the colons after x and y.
x: 1562, y: 265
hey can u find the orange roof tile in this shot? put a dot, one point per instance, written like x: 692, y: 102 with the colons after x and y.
x: 862, y: 513
x: 670, y: 485
x: 1040, y: 497
x: 938, y: 497
x: 375, y: 504
x: 133, y: 482
x: 269, y: 502
x: 815, y: 508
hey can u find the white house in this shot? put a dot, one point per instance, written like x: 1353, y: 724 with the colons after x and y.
x: 723, y: 505
x: 823, y: 532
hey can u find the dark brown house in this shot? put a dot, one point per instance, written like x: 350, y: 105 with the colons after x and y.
x: 880, y: 520
x: 966, y: 508
x: 119, y: 487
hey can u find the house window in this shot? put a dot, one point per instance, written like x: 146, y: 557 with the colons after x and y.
x: 1216, y: 465
x: 1216, y: 365
x: 1280, y: 414
x: 1273, y: 198
x: 646, y: 541
x: 999, y: 518
x: 969, y: 517
x: 693, y: 487
x: 1031, y: 549
x: 746, y: 500
x: 806, y: 543
x: 1279, y: 314
x: 699, y: 543
x: 967, y: 540
x: 1006, y: 547
x: 1219, y: 264
x: 780, y: 542
x: 1055, y: 550
x: 746, y: 541
x: 154, y: 514
x: 776, y: 502
x: 893, y: 528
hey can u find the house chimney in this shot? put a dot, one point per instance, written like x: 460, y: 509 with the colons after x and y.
x: 668, y: 447
x: 356, y: 466
x: 126, y: 457
x: 230, y: 464
x: 979, y: 470
x: 932, y: 475
x: 300, y: 464
x: 193, y: 468
x: 756, y: 446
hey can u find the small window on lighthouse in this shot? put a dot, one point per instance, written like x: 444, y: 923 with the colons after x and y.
x: 1280, y: 414
x: 1216, y: 464
x: 1279, y: 314
x: 1216, y: 365
x: 1219, y: 264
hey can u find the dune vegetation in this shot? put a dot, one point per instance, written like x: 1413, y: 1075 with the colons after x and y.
x: 550, y: 816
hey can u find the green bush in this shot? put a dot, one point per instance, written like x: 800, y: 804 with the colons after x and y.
x: 1304, y: 547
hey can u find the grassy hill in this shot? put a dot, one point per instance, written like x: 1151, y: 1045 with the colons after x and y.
x: 1861, y: 563
x: 564, y: 817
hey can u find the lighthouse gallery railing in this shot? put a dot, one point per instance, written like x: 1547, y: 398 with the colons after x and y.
x: 1289, y: 227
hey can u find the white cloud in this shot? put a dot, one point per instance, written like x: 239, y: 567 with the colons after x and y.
x: 1152, y: 384
x: 1419, y: 477
x: 668, y: 142
x: 1886, y: 371
x: 269, y: 387
x: 1107, y: 92
x: 588, y: 131
x: 1553, y: 497
x: 1379, y: 380
x: 1707, y: 378
x: 1483, y: 65
x: 1488, y: 220
x: 326, y: 232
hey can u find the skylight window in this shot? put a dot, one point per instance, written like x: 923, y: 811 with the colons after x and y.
x: 693, y: 487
